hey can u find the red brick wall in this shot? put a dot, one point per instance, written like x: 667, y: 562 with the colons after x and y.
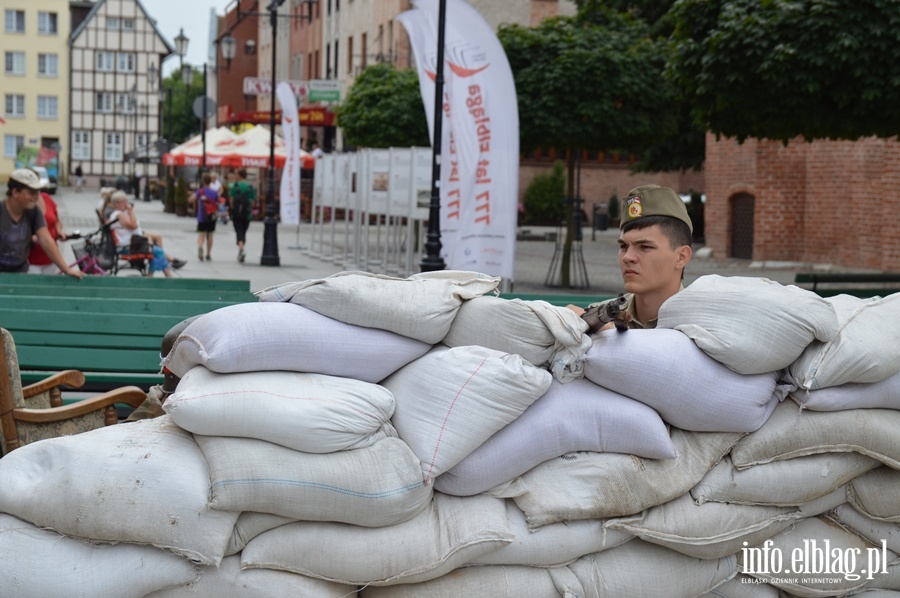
x: 828, y: 202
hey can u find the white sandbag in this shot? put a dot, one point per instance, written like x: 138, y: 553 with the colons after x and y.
x: 37, y: 563
x: 781, y: 483
x: 578, y: 416
x: 864, y: 350
x: 743, y: 586
x: 446, y: 535
x: 708, y: 531
x: 875, y: 395
x: 752, y: 325
x: 875, y: 494
x: 496, y: 582
x: 251, y: 524
x: 313, y: 413
x: 791, y: 433
x: 373, y: 486
x: 449, y: 402
x: 420, y: 307
x: 871, y: 529
x: 887, y: 582
x: 144, y: 482
x: 229, y: 580
x: 600, y: 485
x: 544, y: 334
x: 638, y: 569
x: 690, y: 390
x: 266, y: 337
x: 552, y: 545
x: 833, y: 571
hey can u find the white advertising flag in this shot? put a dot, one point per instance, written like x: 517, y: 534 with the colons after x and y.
x: 480, y: 159
x: 290, y: 176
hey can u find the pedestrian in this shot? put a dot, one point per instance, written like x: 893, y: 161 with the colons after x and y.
x: 315, y: 150
x: 21, y: 221
x: 124, y: 225
x: 243, y: 196
x: 206, y: 201
x: 79, y: 178
x: 216, y: 185
x: 654, y: 248
x: 38, y: 260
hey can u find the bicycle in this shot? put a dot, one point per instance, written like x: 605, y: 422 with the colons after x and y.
x: 97, y: 255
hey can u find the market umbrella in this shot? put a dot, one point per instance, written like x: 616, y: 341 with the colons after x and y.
x: 251, y: 149
x: 219, y: 143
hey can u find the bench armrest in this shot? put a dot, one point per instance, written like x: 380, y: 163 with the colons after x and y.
x: 130, y: 395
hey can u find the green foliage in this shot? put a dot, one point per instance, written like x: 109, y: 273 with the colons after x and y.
x: 181, y: 192
x: 779, y: 69
x: 384, y: 109
x: 613, y: 206
x: 654, y: 13
x: 544, y: 199
x: 184, y: 122
x: 170, y: 196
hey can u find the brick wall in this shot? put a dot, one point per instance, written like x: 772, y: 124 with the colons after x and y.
x: 829, y: 202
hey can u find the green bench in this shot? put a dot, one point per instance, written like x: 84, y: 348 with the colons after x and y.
x: 108, y: 328
x: 559, y: 300
x: 857, y: 284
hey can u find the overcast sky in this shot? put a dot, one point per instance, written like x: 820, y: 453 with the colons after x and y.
x: 192, y: 15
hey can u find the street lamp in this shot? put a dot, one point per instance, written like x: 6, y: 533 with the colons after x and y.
x: 152, y: 80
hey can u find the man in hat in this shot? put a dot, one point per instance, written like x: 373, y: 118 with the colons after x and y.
x: 654, y: 248
x: 21, y: 220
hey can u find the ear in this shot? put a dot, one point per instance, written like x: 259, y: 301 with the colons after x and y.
x: 683, y: 256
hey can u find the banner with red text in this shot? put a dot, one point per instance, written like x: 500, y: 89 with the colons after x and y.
x: 290, y: 176
x: 480, y: 145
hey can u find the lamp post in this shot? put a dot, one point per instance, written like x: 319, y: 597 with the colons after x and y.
x: 132, y: 102
x: 152, y: 80
x: 270, y: 232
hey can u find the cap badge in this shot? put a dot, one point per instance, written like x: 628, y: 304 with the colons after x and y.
x: 634, y: 207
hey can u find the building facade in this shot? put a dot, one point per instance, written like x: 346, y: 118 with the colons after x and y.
x: 34, y: 84
x: 115, y: 56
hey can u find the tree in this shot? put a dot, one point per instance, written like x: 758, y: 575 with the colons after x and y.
x: 584, y: 85
x: 184, y: 122
x: 384, y: 109
x: 779, y: 69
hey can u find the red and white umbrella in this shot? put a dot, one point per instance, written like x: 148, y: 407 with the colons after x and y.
x: 219, y: 143
x: 251, y: 149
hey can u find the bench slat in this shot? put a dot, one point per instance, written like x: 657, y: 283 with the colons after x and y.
x: 560, y: 300
x: 136, y: 307
x: 82, y: 358
x: 129, y: 293
x: 122, y: 323
x: 128, y: 282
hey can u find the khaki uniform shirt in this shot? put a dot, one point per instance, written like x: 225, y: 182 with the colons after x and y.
x: 629, y: 308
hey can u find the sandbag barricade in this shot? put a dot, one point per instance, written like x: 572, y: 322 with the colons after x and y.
x: 317, y: 439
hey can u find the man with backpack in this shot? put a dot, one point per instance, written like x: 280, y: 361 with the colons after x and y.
x: 243, y: 196
x: 206, y: 201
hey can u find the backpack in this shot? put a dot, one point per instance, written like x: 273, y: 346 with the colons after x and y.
x: 210, y: 207
x: 241, y: 201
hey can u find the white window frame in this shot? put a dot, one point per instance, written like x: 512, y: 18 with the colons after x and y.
x: 125, y: 62
x: 125, y: 103
x: 105, y: 61
x: 48, y: 60
x: 47, y: 107
x: 17, y: 141
x: 112, y: 23
x: 17, y: 102
x: 12, y: 19
x: 112, y: 147
x: 104, y: 102
x: 14, y: 62
x: 48, y: 23
x: 81, y: 145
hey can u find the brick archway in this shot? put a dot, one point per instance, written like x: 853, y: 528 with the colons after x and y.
x: 742, y: 214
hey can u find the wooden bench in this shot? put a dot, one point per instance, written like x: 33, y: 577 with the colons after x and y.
x: 103, y: 326
x: 857, y: 284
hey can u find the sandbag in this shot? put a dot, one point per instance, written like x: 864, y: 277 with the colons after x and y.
x: 374, y: 486
x: 874, y: 494
x: 865, y: 349
x: 690, y: 390
x: 446, y: 535
x: 743, y: 586
x: 752, y: 325
x: 552, y: 545
x: 875, y: 395
x: 871, y: 529
x: 543, y: 334
x: 496, y: 582
x: 251, y: 524
x: 638, y: 569
x: 781, y: 483
x: 578, y: 416
x: 266, y: 337
x: 449, y: 402
x: 790, y: 433
x: 229, y: 580
x: 420, y: 307
x: 313, y: 413
x: 144, y: 482
x: 599, y: 485
x: 38, y: 563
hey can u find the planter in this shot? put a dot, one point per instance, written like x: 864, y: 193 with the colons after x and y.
x: 181, y: 210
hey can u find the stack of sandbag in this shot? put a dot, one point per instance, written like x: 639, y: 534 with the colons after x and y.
x: 387, y: 437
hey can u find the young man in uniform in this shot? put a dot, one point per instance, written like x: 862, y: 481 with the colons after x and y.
x: 654, y: 248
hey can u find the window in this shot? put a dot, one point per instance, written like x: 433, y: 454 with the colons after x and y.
x: 15, y: 63
x: 112, y: 22
x: 81, y: 145
x: 124, y: 103
x: 47, y: 107
x: 15, y: 105
x: 105, y: 61
x: 364, y: 47
x: 349, y: 54
x: 47, y: 65
x: 112, y: 149
x: 143, y: 139
x: 14, y: 21
x: 103, y: 102
x: 126, y: 62
x: 11, y: 145
x: 336, y: 63
x: 128, y: 24
x: 47, y: 23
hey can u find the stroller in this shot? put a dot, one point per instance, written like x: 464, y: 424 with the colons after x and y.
x: 98, y: 254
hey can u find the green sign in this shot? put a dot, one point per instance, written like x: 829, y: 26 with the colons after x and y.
x: 324, y: 90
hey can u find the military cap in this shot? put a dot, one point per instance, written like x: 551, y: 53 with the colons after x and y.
x: 653, y: 200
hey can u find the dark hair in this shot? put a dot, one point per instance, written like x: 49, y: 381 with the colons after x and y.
x: 676, y: 231
x: 242, y: 173
x: 207, y: 178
